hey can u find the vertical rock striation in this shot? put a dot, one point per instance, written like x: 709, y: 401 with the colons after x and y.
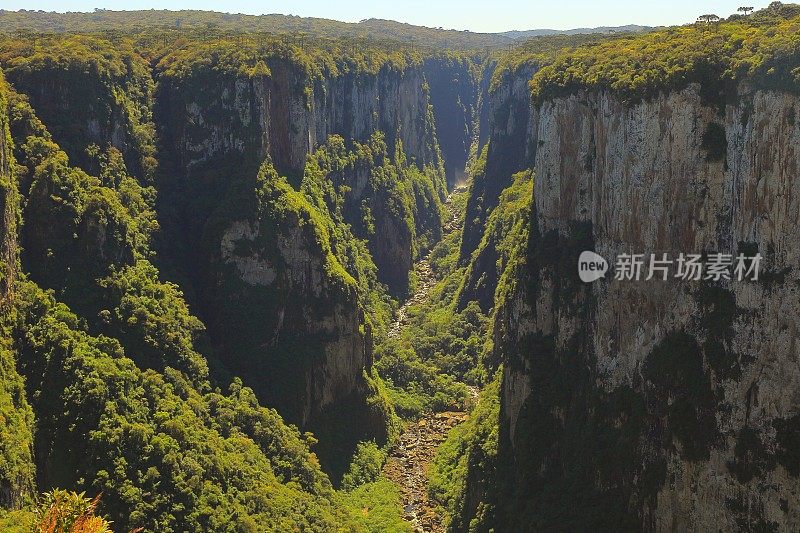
x: 663, y: 405
x: 457, y: 89
x: 509, y: 112
x: 278, y: 311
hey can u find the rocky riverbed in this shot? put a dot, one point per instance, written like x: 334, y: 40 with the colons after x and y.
x: 415, y: 450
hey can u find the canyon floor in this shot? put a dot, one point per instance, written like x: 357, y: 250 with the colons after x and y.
x: 415, y: 450
x: 408, y: 466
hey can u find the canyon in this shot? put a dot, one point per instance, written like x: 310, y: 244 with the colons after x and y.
x: 350, y: 265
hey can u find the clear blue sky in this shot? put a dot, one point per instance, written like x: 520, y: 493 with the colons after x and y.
x: 475, y: 15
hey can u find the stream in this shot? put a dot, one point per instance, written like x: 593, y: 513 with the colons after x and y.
x: 412, y: 455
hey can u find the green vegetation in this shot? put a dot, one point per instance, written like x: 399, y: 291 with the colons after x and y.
x: 400, y: 193
x: 279, y: 225
x: 365, y: 466
x: 350, y: 187
x: 302, y: 28
x: 539, y: 51
x: 16, y: 433
x: 330, y: 213
x: 162, y: 152
x: 89, y: 238
x: 356, y: 212
x: 416, y: 387
x: 250, y: 55
x: 427, y: 365
x: 763, y: 49
x: 446, y: 343
x: 16, y: 416
x: 167, y: 450
x: 469, y: 455
x: 22, y: 521
x: 575, y: 447
x: 376, y: 506
x: 164, y: 455
x: 493, y: 264
x: 107, y: 91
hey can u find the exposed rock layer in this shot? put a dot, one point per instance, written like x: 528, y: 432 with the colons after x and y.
x: 664, y: 405
x: 309, y: 333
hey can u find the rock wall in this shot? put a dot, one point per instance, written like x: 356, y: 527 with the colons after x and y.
x: 279, y: 309
x: 287, y: 115
x: 223, y: 132
x: 658, y: 405
x: 16, y: 416
x: 82, y: 107
x: 509, y: 112
x: 506, y: 151
x: 292, y: 328
x: 8, y: 204
x: 307, y: 346
x: 457, y: 88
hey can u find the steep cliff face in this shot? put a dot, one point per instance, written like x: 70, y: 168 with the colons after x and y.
x: 8, y: 203
x: 286, y: 113
x: 270, y: 174
x: 88, y: 92
x: 308, y: 346
x: 457, y: 89
x: 666, y: 405
x: 393, y: 101
x: 16, y: 416
x: 287, y: 309
x: 140, y: 426
x: 504, y: 235
x: 287, y: 316
x: 223, y: 133
x: 509, y: 150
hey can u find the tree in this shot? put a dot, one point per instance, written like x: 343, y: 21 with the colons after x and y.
x: 745, y: 10
x: 708, y: 19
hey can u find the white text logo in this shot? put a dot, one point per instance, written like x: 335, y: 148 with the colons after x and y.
x: 685, y: 267
x: 591, y: 266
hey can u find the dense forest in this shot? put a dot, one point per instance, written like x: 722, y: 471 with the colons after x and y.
x: 304, y: 27
x: 255, y: 272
